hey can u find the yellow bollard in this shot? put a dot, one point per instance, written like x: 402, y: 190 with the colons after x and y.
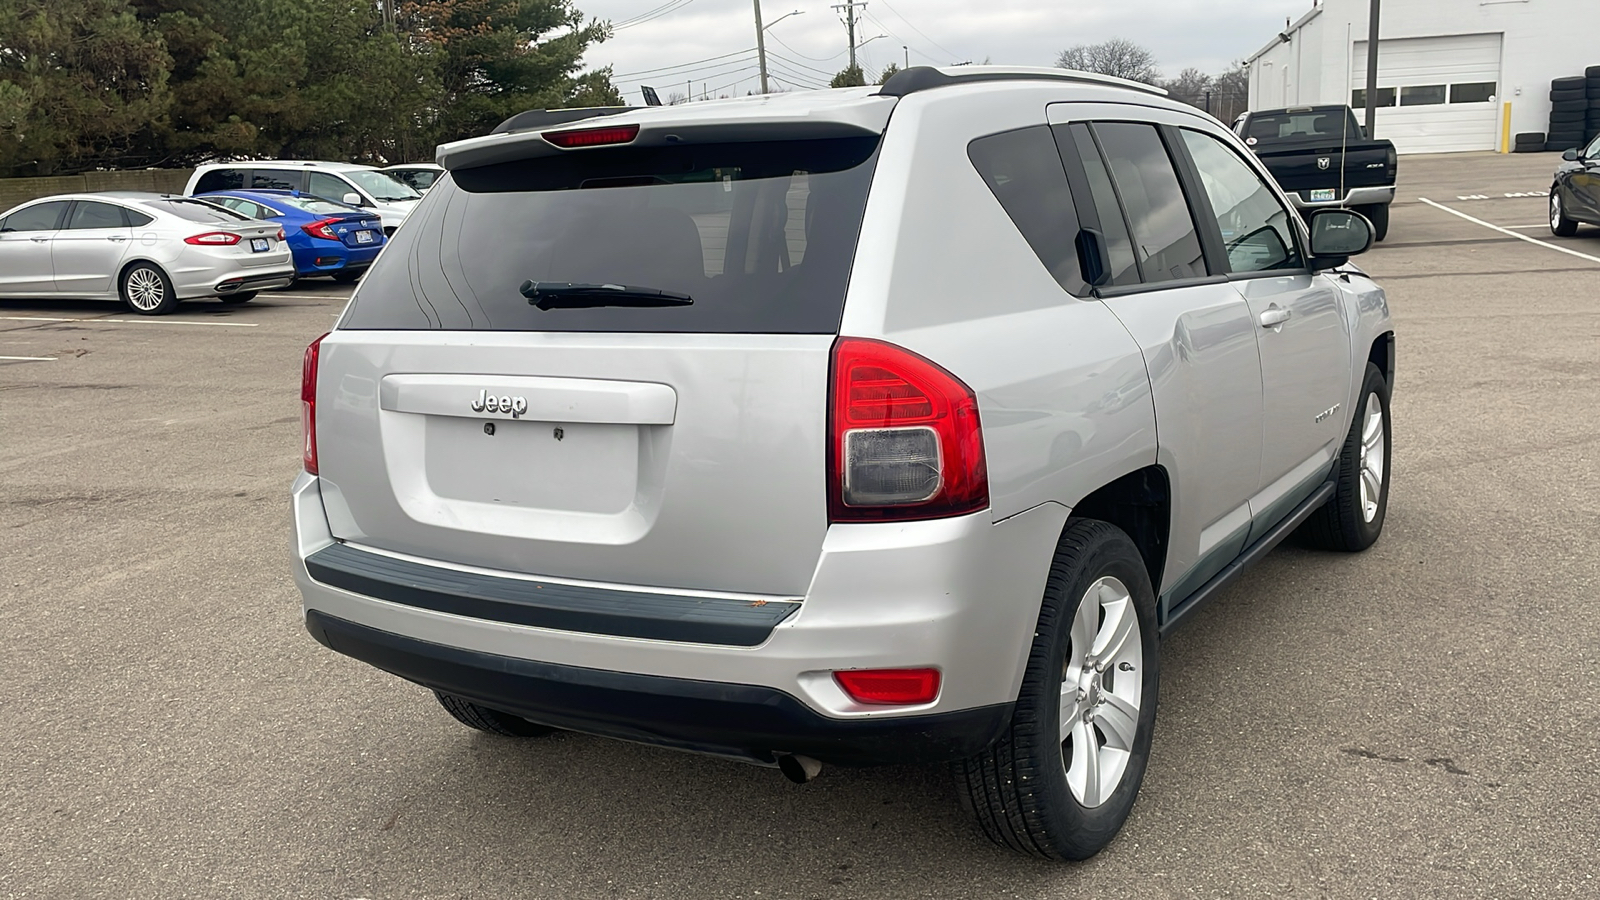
x: 1505, y: 130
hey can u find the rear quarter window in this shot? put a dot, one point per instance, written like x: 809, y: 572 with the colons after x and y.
x: 220, y: 180
x: 1023, y: 170
x: 760, y: 235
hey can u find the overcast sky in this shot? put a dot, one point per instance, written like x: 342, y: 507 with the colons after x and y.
x: 717, y: 37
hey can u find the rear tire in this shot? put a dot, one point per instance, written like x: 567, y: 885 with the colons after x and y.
x: 1035, y: 790
x: 235, y: 299
x: 1379, y: 217
x: 1352, y: 518
x: 1560, y: 225
x: 492, y: 721
x: 147, y: 290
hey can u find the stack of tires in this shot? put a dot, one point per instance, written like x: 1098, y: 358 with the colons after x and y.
x: 1592, y: 85
x: 1569, y: 110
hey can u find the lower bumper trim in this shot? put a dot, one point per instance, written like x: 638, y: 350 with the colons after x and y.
x: 750, y: 722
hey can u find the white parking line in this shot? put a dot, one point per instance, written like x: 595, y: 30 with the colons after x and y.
x: 30, y: 358
x: 154, y: 321
x: 43, y: 319
x: 1521, y: 237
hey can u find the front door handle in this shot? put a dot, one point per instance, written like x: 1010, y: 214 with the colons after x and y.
x: 1274, y: 316
x: 116, y: 237
x: 39, y: 240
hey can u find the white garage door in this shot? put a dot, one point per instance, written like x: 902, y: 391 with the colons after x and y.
x: 1435, y: 94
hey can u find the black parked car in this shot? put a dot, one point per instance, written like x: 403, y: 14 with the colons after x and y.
x: 1575, y: 196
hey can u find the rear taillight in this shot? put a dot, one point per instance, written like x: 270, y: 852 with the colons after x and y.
x: 308, y: 404
x: 1394, y: 161
x: 592, y: 137
x: 213, y: 238
x: 281, y: 237
x: 904, y: 439
x: 320, y: 229
x: 897, y: 687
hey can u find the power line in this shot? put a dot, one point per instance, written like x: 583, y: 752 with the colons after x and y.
x: 794, y: 75
x: 803, y: 56
x: 672, y: 7
x: 694, y: 62
x: 918, y: 30
x: 802, y: 66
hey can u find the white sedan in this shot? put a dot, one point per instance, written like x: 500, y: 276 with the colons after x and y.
x: 149, y: 250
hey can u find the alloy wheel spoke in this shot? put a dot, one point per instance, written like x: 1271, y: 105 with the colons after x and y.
x: 1084, y: 624
x: 1118, y: 719
x: 1114, y: 631
x: 1071, y: 709
x: 1086, y: 758
x: 1371, y: 489
x: 1372, y: 428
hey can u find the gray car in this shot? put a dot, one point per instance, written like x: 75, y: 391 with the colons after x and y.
x: 874, y: 425
x: 149, y: 250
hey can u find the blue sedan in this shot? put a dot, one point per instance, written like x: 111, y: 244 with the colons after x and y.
x: 327, y: 238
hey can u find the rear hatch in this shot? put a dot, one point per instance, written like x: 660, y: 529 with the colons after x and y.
x: 606, y: 434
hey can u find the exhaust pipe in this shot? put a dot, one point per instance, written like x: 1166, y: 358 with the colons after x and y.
x: 799, y: 769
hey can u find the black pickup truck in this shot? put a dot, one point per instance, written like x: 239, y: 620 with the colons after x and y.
x: 1322, y: 157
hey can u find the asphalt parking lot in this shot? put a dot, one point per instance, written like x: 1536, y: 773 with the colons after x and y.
x: 1416, y: 721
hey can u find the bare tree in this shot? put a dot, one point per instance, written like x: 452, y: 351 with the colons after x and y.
x: 1231, y: 93
x: 1118, y: 56
x: 1191, y: 87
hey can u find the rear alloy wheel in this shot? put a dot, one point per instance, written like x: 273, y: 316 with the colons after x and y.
x: 241, y: 297
x: 1352, y: 518
x: 147, y: 290
x: 1560, y: 225
x: 491, y: 720
x: 1060, y: 782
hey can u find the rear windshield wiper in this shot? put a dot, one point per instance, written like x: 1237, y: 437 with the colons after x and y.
x: 567, y: 295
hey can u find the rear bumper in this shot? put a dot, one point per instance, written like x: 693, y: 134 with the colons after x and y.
x: 958, y: 594
x: 1361, y: 196
x: 263, y: 281
x: 744, y: 721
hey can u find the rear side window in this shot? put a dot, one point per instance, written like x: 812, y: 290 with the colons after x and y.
x: 1164, y: 237
x: 197, y: 211
x: 220, y: 180
x: 40, y: 217
x: 88, y: 214
x: 1096, y: 191
x: 760, y: 235
x: 1023, y: 170
x: 275, y: 179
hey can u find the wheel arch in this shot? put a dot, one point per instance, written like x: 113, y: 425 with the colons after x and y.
x: 1381, y: 354
x: 1139, y: 503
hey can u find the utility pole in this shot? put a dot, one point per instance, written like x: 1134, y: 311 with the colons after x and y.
x: 761, y: 46
x: 908, y: 54
x: 850, y: 20
x: 1372, y: 71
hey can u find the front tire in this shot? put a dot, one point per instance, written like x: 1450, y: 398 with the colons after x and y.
x: 1560, y: 225
x: 1060, y: 782
x: 492, y: 721
x: 147, y: 290
x: 1352, y: 518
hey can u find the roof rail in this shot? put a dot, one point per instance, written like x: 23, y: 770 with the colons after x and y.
x: 924, y: 78
x: 548, y: 118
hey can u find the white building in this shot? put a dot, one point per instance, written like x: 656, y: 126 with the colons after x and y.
x: 1446, y: 68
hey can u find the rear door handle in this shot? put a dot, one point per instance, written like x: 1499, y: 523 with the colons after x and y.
x: 116, y: 237
x: 39, y: 240
x: 1274, y: 316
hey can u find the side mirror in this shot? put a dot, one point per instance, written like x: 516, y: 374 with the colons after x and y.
x: 1570, y: 155
x: 1337, y: 235
x: 351, y: 199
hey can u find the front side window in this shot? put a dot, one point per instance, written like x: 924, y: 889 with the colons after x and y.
x: 39, y: 217
x: 1023, y: 170
x: 329, y: 187
x: 1164, y: 237
x: 1256, y: 228
x: 88, y: 214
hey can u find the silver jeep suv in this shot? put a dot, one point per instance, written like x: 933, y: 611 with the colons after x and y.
x: 874, y: 425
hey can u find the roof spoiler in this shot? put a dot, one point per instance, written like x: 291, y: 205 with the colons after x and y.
x: 546, y: 118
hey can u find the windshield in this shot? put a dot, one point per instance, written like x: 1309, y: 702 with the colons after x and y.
x: 381, y: 185
x: 761, y: 235
x: 1333, y: 122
